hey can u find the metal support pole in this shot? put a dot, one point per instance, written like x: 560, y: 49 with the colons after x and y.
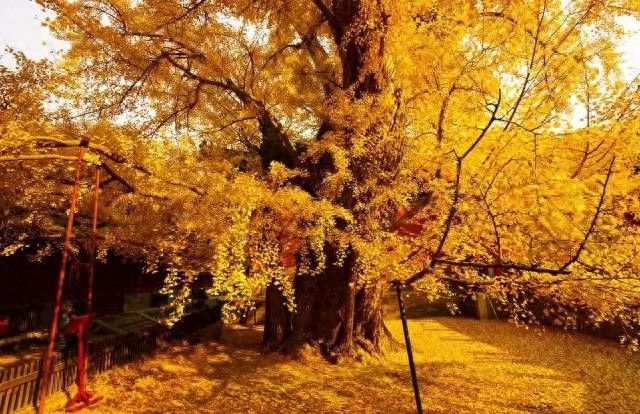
x: 94, y: 233
x: 46, y: 370
x: 407, y: 341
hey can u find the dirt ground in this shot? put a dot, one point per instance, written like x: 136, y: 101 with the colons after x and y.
x: 464, y: 366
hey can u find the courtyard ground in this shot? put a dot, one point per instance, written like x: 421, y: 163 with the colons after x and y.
x: 464, y: 366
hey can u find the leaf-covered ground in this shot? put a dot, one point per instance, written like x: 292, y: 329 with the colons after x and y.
x: 464, y: 366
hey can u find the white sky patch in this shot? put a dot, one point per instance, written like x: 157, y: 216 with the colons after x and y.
x: 21, y: 28
x: 629, y: 48
x: 252, y: 33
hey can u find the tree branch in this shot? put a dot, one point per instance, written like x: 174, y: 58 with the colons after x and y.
x: 100, y: 149
x: 511, y: 266
x: 183, y: 15
x: 562, y: 270
x: 576, y: 256
x: 276, y: 146
x: 130, y: 187
x: 336, y: 27
x: 39, y: 157
x: 456, y: 191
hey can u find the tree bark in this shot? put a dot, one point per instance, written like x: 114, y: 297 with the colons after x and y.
x: 332, y: 312
x: 369, y: 328
x: 277, y: 320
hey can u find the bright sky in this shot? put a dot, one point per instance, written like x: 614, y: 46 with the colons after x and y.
x: 21, y: 28
x: 630, y: 49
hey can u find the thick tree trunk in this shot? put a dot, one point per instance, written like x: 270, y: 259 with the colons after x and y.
x: 331, y: 313
x: 277, y: 320
x: 369, y: 328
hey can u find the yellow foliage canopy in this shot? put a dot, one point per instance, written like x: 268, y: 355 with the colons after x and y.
x: 236, y: 131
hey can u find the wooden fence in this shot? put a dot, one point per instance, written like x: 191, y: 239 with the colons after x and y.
x: 22, y: 319
x: 19, y: 382
x: 26, y: 321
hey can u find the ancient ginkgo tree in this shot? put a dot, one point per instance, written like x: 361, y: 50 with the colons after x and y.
x: 321, y: 149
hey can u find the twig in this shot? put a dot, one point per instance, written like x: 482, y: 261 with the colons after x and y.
x: 576, y: 256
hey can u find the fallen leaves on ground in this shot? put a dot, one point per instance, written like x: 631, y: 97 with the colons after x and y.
x: 464, y: 366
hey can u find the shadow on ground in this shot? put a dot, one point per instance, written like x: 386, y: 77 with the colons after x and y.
x: 233, y: 376
x: 464, y: 366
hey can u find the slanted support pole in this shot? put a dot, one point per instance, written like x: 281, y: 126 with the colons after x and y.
x: 407, y: 341
x: 46, y: 370
x: 94, y: 234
